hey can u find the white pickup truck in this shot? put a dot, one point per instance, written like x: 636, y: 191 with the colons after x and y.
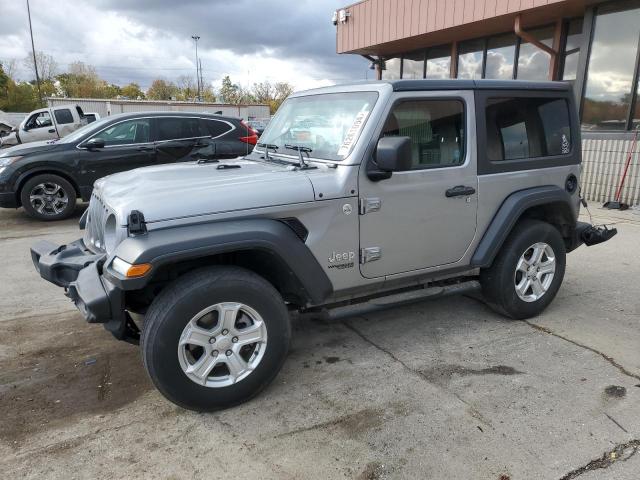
x: 48, y: 124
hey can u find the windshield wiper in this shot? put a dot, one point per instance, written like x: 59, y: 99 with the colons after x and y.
x: 301, y: 149
x: 266, y: 147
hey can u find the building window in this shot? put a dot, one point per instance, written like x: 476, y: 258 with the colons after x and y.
x: 519, y: 128
x: 470, y: 59
x: 439, y: 62
x: 608, y: 91
x: 533, y: 63
x: 572, y: 49
x: 436, y: 130
x: 391, y: 70
x: 413, y: 65
x: 501, y: 53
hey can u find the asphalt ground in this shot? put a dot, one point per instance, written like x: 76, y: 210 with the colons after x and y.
x: 442, y: 389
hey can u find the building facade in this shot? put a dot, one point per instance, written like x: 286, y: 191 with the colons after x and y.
x: 595, y: 45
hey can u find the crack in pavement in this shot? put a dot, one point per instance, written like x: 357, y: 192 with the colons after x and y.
x: 621, y: 452
x: 472, y: 410
x: 609, y: 359
x: 616, y: 422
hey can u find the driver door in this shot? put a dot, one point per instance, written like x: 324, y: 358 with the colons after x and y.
x: 38, y: 127
x: 422, y: 217
x: 127, y: 146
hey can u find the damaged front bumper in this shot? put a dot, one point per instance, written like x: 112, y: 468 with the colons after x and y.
x: 79, y: 271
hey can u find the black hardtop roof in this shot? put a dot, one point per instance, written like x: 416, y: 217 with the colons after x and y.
x: 454, y: 84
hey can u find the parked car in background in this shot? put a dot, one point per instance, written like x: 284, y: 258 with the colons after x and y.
x: 47, y: 177
x: 92, y: 117
x: 257, y: 125
x: 46, y: 124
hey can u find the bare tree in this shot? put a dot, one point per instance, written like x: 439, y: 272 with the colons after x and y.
x: 47, y: 66
x: 187, y: 87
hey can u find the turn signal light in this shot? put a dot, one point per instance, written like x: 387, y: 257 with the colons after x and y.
x: 128, y: 270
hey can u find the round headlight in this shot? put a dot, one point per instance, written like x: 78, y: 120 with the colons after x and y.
x: 110, y: 233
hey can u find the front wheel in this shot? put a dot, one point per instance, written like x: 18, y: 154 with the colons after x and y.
x: 527, y: 272
x: 215, y: 338
x: 48, y: 197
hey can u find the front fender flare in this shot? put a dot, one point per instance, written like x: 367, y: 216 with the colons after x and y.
x: 163, y: 247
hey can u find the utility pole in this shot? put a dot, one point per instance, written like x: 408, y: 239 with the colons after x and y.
x: 196, y: 38
x: 33, y: 50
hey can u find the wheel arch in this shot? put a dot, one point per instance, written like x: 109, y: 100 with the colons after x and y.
x: 550, y: 204
x: 269, y: 248
x: 29, y: 174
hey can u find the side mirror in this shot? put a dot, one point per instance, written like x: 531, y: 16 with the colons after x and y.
x: 95, y: 143
x: 393, y: 154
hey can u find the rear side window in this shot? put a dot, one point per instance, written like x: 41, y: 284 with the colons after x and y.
x: 527, y: 127
x: 436, y: 130
x: 176, y: 128
x: 215, y: 128
x: 63, y: 116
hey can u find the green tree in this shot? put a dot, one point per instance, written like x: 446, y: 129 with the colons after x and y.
x: 82, y: 81
x: 132, y: 91
x: 272, y: 94
x: 162, y: 90
x: 230, y: 92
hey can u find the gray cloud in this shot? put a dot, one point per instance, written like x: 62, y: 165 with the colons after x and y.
x: 298, y: 32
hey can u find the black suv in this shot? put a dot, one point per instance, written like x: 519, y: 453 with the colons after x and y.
x: 47, y: 177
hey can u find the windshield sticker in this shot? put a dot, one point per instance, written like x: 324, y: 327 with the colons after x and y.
x: 353, y: 133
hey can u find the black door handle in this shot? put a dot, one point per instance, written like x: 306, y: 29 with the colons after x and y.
x: 459, y: 191
x: 144, y: 149
x: 52, y: 130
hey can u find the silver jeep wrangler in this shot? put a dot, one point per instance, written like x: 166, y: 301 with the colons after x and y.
x: 355, y: 191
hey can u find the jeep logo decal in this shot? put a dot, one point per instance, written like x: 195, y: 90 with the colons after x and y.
x: 341, y: 260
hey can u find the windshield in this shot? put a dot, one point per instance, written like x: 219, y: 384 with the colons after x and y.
x: 328, y: 124
x: 82, y: 131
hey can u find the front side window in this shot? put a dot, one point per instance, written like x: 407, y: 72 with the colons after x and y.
x: 126, y: 133
x: 39, y: 120
x: 520, y: 128
x: 176, y: 128
x: 63, y: 116
x: 436, y: 130
x: 328, y: 124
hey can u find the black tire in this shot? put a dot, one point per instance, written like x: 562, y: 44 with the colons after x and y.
x: 178, y: 303
x: 49, y: 212
x: 499, y: 281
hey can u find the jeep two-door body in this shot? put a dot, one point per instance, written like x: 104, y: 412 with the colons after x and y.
x: 355, y: 191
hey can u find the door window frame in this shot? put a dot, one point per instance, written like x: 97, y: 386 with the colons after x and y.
x: 81, y: 146
x: 411, y: 96
x: 40, y: 126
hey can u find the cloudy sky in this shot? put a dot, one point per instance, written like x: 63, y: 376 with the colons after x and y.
x: 127, y: 40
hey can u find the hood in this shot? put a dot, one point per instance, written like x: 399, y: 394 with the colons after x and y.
x: 31, y: 147
x: 190, y: 189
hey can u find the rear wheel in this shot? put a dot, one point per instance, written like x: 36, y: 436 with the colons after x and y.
x: 527, y: 273
x: 48, y: 197
x: 215, y: 338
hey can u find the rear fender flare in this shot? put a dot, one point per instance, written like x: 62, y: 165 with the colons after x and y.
x: 511, y: 210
